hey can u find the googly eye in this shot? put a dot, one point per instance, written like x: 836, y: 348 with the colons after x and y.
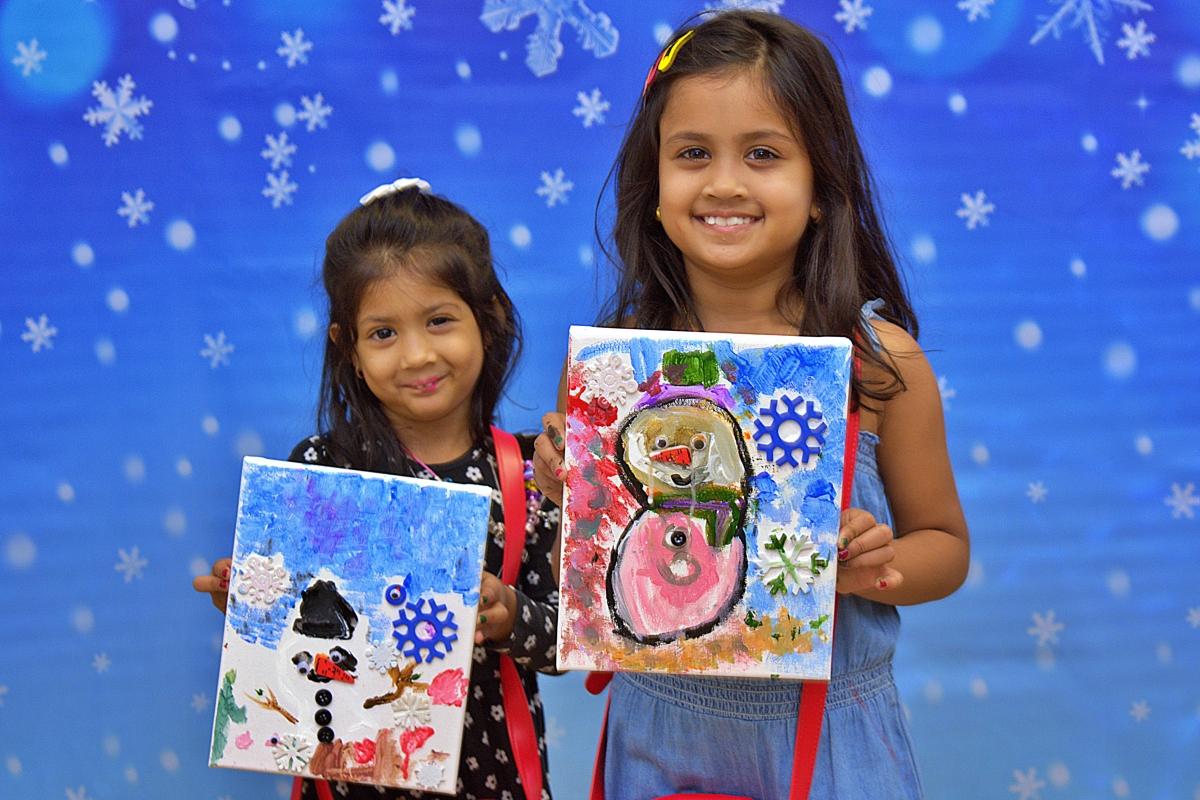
x: 699, y: 442
x: 335, y: 656
x: 675, y: 538
x: 303, y: 662
x: 660, y: 442
x: 395, y: 594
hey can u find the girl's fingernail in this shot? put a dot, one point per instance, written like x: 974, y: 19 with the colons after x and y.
x: 881, y: 583
x: 483, y: 619
x: 224, y: 584
x: 844, y: 543
x: 558, y: 473
x: 225, y: 572
x: 843, y: 555
x: 553, y: 433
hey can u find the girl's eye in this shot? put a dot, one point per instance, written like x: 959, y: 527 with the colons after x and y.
x: 382, y: 333
x: 440, y: 320
x: 693, y: 153
x: 762, y: 154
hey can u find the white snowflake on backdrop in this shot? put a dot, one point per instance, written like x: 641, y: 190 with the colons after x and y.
x: 3, y: 694
x: 1045, y: 628
x: 975, y: 209
x: 853, y: 15
x: 976, y: 8
x: 1191, y: 148
x: 1088, y: 16
x: 29, y: 57
x: 1036, y: 492
x: 544, y: 46
x: 279, y: 150
x: 1140, y: 711
x: 771, y: 6
x: 279, y: 189
x: 119, y: 111
x: 39, y: 334
x: 1130, y: 169
x: 397, y: 16
x: 295, y: 47
x: 135, y: 208
x: 555, y: 188
x: 1027, y: 785
x: 1137, y: 40
x: 201, y: 703
x: 130, y: 564
x: 79, y: 793
x: 101, y: 663
x: 1193, y: 617
x: 591, y: 108
x: 1182, y: 500
x: 315, y: 113
x: 216, y: 349
x: 262, y: 580
x: 946, y: 391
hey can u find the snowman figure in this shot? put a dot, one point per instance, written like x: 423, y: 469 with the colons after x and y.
x: 679, y: 567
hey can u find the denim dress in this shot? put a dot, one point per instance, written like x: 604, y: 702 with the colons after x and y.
x: 670, y: 733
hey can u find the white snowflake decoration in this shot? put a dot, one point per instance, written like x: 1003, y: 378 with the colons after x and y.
x: 412, y: 710
x: 1027, y: 785
x: 200, y: 703
x: 975, y: 210
x: 1193, y: 617
x: 1191, y: 148
x: 130, y: 564
x: 279, y: 189
x: 292, y: 752
x: 976, y: 8
x: 135, y: 208
x: 1137, y: 40
x: 1045, y: 628
x: 946, y: 391
x: 770, y: 6
x: 430, y: 775
x: 315, y: 113
x: 262, y: 580
x: 279, y: 150
x: 1182, y: 500
x: 1140, y: 711
x: 118, y: 111
x: 295, y: 47
x: 1088, y: 16
x: 29, y: 58
x: 397, y: 16
x: 1036, y: 492
x: 78, y: 793
x: 610, y: 377
x: 853, y: 15
x: 101, y: 663
x: 217, y: 349
x: 591, y: 108
x: 39, y: 334
x: 555, y: 188
x: 790, y: 563
x: 381, y: 658
x: 1130, y: 169
x: 544, y: 46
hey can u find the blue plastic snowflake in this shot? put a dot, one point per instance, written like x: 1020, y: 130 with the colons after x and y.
x: 425, y: 635
x: 780, y: 449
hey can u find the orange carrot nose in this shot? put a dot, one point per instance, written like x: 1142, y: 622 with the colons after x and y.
x: 680, y: 454
x: 324, y: 667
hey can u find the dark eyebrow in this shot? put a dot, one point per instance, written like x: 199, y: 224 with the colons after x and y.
x: 695, y: 136
x: 425, y: 312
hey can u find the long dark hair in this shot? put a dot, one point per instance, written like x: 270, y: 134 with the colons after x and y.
x: 429, y: 237
x: 843, y: 260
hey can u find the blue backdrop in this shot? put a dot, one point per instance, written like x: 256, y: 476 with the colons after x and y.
x: 168, y: 172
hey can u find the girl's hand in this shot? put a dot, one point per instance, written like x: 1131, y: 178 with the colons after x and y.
x: 216, y: 583
x: 497, y: 610
x: 865, y: 553
x: 548, y: 457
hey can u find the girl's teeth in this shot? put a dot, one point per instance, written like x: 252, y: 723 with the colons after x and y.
x: 726, y: 221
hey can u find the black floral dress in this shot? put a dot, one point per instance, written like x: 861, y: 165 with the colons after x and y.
x: 487, y: 769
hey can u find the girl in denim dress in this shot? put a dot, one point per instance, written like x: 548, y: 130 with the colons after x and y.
x: 745, y: 205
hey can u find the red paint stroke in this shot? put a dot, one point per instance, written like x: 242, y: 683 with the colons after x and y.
x: 449, y: 688
x: 410, y: 742
x: 364, y: 751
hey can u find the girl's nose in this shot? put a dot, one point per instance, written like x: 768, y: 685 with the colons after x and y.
x: 725, y: 180
x: 416, y: 351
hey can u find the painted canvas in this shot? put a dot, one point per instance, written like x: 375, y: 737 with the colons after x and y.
x: 703, y: 492
x: 349, y: 631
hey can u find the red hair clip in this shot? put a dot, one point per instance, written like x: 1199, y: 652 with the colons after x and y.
x: 666, y: 59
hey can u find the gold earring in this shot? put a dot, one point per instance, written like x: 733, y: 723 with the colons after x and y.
x: 658, y: 213
x: 816, y: 215
x: 358, y: 372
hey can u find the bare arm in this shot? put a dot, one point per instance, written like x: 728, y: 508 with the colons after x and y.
x: 931, y: 549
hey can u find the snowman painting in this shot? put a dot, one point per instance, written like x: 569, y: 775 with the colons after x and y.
x: 680, y: 565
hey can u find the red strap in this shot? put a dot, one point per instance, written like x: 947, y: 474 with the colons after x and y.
x: 521, y: 733
x: 323, y: 790
x: 597, y: 792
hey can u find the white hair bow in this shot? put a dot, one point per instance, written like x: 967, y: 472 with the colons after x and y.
x: 399, y: 185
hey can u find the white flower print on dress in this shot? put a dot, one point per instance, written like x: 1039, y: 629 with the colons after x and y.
x: 474, y: 473
x: 262, y: 580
